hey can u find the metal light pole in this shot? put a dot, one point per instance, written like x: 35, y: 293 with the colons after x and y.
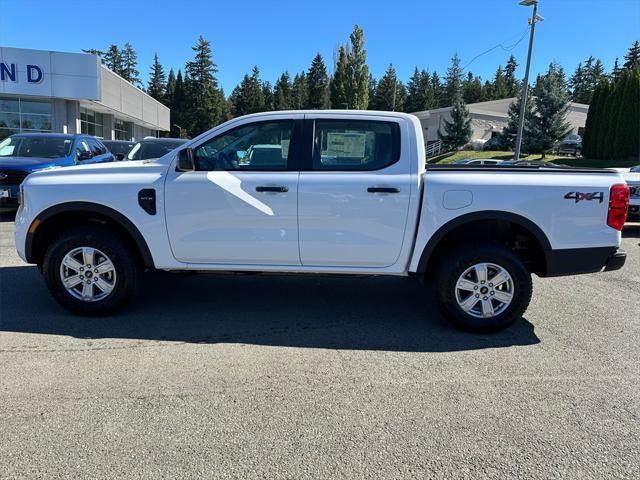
x: 525, y: 83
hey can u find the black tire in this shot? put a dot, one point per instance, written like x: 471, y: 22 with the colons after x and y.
x: 123, y: 258
x: 462, y: 257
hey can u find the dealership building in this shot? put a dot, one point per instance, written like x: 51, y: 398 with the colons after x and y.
x: 489, y: 118
x: 44, y: 91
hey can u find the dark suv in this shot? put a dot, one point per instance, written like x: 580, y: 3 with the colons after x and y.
x: 154, y: 148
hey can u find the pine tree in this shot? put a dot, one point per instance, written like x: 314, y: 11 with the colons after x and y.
x: 500, y: 88
x: 282, y: 93
x: 457, y: 132
x: 585, y: 80
x: 589, y: 138
x: 626, y: 144
x: 113, y: 60
x: 578, y: 85
x: 206, y: 106
x: 170, y: 88
x: 507, y: 137
x: 472, y: 89
x: 419, y: 92
x: 632, y: 58
x: 616, y: 71
x: 601, y: 149
x: 317, y: 84
x: 551, y: 104
x: 357, y: 81
x: 248, y: 96
x: 372, y: 84
x: 299, y: 91
x: 267, y: 93
x: 178, y: 106
x: 157, y: 87
x: 513, y: 85
x: 613, y: 109
x: 437, y: 90
x: 129, y: 65
x: 453, y: 82
x: 338, y: 86
x: 389, y: 92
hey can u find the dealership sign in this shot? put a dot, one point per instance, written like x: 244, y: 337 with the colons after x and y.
x: 8, y: 73
x: 43, y: 73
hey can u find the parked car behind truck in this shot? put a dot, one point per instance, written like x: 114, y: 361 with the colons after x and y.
x: 25, y: 153
x: 333, y: 192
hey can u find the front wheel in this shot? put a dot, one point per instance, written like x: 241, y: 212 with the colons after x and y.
x: 483, y: 287
x: 90, y: 271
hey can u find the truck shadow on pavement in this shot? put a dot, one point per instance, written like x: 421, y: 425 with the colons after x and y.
x: 375, y: 313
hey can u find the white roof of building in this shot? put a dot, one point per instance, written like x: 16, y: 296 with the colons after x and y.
x: 498, y: 108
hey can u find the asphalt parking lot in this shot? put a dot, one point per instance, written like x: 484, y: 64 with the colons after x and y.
x: 286, y: 377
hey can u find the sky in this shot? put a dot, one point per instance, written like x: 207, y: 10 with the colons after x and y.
x: 285, y: 35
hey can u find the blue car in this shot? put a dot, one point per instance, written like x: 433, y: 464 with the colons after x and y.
x: 24, y: 153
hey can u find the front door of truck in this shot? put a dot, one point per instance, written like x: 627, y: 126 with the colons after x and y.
x: 353, y: 197
x: 239, y: 207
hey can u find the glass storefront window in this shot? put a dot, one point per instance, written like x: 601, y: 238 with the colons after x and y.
x: 91, y: 122
x: 24, y: 115
x: 122, y: 130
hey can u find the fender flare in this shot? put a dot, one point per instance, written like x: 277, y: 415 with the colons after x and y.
x: 89, y: 207
x: 451, y: 225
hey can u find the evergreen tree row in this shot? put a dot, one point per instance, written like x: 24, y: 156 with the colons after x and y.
x: 197, y: 102
x: 612, y: 129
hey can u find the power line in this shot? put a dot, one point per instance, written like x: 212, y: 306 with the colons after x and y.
x: 507, y: 48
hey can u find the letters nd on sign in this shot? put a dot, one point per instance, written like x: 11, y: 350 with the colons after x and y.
x: 9, y: 72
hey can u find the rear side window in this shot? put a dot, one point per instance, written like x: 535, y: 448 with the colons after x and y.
x: 355, y: 145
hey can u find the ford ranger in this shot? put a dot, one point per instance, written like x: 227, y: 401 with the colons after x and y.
x: 331, y: 192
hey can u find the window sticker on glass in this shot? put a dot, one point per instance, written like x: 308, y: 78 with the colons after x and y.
x: 346, y: 144
x: 284, y: 143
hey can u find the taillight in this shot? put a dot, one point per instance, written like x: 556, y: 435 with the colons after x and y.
x: 618, y: 205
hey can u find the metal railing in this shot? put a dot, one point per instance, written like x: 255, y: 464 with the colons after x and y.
x: 433, y: 149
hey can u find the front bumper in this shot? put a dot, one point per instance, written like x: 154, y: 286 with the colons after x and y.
x: 9, y: 195
x: 573, y: 261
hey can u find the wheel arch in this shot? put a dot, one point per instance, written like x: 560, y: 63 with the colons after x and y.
x: 517, y: 224
x: 44, y: 226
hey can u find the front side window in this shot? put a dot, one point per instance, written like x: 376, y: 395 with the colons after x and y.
x: 355, y: 144
x: 259, y: 146
x: 82, y: 146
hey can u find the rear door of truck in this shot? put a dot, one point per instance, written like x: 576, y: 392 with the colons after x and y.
x: 354, y: 191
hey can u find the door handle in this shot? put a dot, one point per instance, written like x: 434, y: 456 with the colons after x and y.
x: 272, y: 189
x: 383, y: 190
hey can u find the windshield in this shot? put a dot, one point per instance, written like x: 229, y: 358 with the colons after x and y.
x: 36, y: 147
x: 147, y: 150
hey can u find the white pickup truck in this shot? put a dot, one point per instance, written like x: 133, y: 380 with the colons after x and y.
x: 331, y: 192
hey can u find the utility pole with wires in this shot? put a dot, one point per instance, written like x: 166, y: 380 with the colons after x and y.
x: 525, y: 84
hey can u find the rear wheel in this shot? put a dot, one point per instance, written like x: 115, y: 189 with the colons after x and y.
x: 483, y: 288
x: 90, y: 271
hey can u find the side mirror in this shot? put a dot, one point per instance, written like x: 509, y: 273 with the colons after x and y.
x: 119, y: 157
x: 185, y: 161
x: 84, y: 155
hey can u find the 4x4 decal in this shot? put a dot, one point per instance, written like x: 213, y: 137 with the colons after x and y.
x: 578, y: 196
